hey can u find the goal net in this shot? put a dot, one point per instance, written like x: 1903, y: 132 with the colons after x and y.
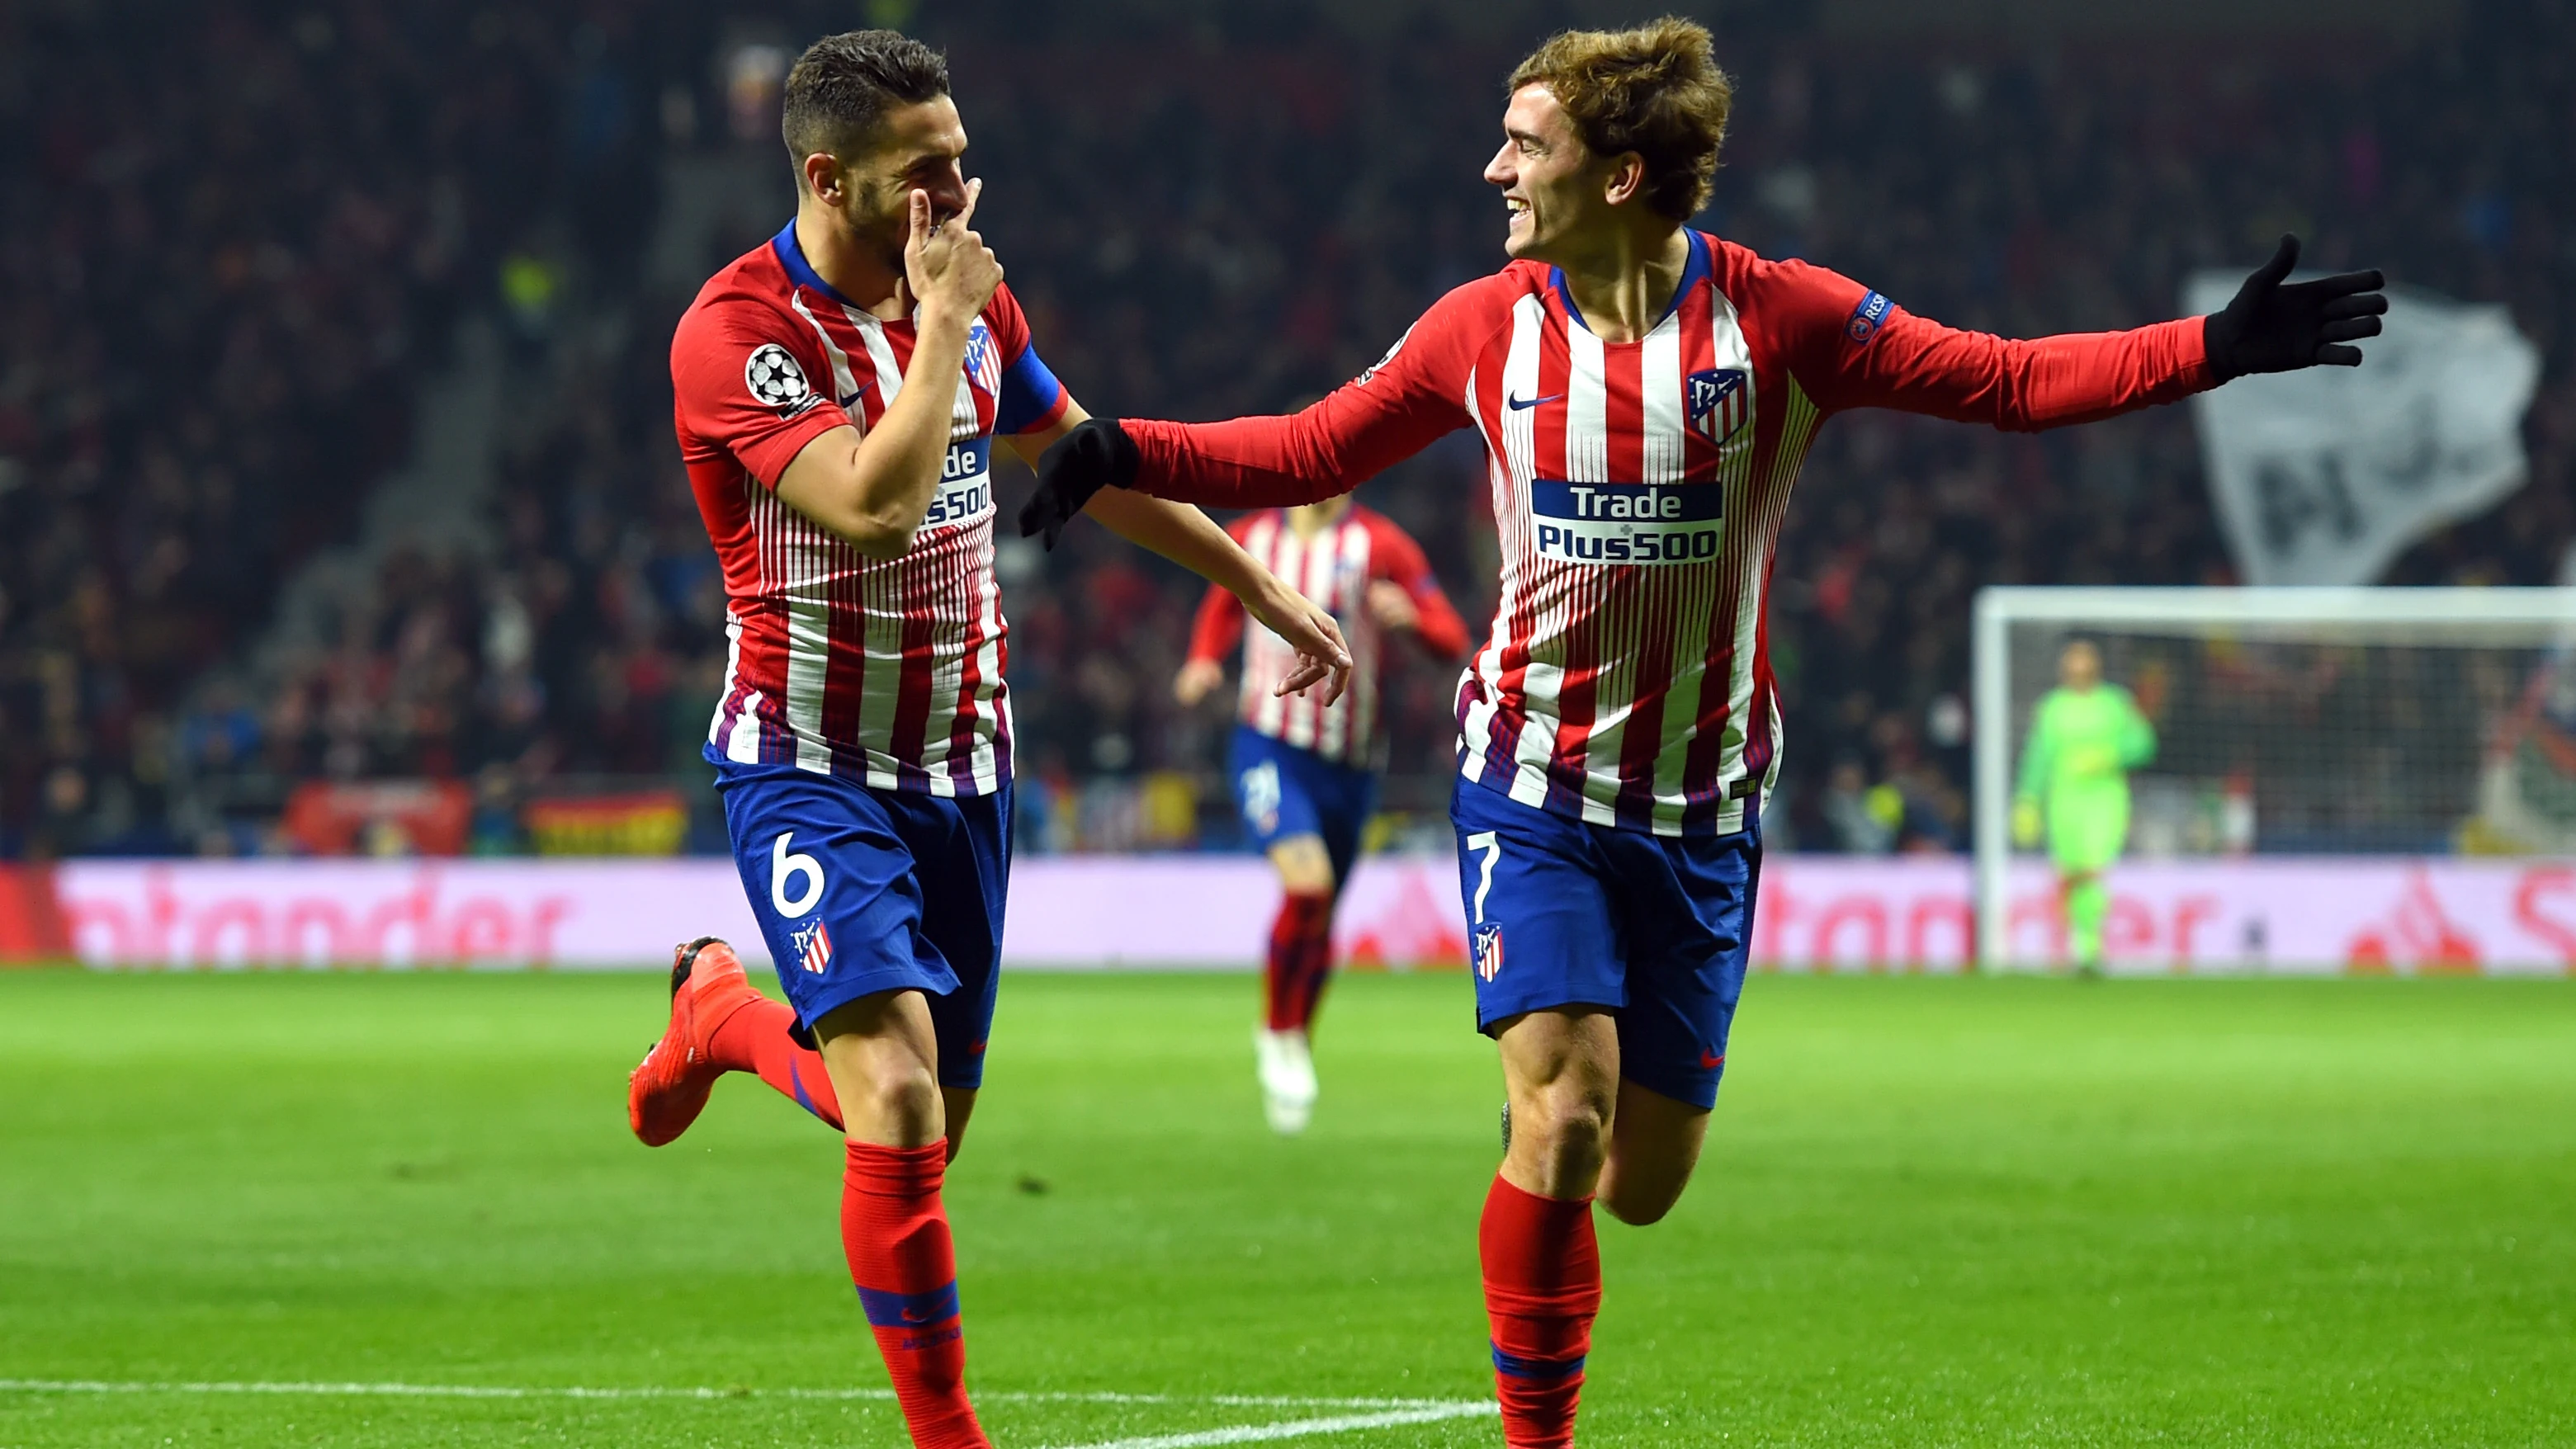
x: 2326, y: 765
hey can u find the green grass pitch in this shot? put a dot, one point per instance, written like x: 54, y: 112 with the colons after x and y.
x: 1933, y: 1212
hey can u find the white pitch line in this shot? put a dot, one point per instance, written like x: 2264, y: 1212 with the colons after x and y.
x: 1427, y: 1413
x: 421, y: 1391
x: 1438, y: 1408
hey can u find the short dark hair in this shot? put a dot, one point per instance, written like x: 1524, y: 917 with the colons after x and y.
x: 842, y: 86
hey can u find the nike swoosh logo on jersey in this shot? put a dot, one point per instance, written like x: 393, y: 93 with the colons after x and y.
x: 854, y: 392
x: 1518, y: 403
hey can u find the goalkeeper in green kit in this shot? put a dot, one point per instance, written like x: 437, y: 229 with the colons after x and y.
x: 2085, y: 738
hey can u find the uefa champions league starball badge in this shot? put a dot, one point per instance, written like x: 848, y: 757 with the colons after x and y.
x: 774, y: 378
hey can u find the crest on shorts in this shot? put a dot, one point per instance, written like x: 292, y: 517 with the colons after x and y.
x: 776, y: 381
x: 813, y: 947
x: 1489, y: 951
x: 1720, y: 402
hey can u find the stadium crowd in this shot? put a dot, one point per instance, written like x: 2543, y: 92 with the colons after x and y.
x: 206, y: 354
x: 230, y: 248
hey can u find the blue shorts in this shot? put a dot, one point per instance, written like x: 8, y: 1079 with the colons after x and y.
x: 1653, y: 928
x: 1287, y: 790
x: 860, y: 891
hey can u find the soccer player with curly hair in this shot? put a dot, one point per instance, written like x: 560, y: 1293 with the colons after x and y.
x: 1645, y: 393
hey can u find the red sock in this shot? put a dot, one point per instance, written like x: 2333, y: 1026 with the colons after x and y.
x: 1542, y: 1287
x: 755, y: 1039
x: 1301, y: 953
x: 896, y: 1235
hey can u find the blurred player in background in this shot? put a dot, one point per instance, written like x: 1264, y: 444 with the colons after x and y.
x: 838, y: 390
x: 1645, y: 394
x: 1304, y: 771
x: 2085, y: 737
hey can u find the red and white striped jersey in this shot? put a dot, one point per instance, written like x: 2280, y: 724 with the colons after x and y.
x: 888, y: 671
x: 1638, y: 490
x: 1334, y: 567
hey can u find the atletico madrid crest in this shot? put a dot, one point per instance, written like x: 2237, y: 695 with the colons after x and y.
x: 1720, y: 402
x: 814, y: 947
x: 1489, y: 951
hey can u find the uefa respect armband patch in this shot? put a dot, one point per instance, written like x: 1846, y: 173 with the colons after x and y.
x: 1867, y: 318
x: 1627, y: 523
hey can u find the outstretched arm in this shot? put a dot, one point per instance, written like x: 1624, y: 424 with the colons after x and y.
x: 1416, y: 393
x: 1330, y: 448
x: 1858, y: 350
x: 1191, y: 539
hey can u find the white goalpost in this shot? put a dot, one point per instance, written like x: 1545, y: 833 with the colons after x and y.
x: 2351, y: 729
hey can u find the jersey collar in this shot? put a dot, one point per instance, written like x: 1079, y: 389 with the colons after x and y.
x: 791, y: 255
x: 1695, y: 270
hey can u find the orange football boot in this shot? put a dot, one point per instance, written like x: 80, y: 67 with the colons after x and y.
x: 667, y: 1091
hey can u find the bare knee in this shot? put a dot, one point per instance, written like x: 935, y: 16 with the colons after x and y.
x: 1304, y: 866
x: 902, y: 1098
x: 1560, y: 1137
x: 882, y: 1057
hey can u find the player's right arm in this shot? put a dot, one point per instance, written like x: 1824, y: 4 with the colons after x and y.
x: 873, y: 489
x: 2038, y: 760
x: 1416, y: 394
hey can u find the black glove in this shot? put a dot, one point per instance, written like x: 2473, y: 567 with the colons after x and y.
x: 1096, y: 454
x: 2272, y: 328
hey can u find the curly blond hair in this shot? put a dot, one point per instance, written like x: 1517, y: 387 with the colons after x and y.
x: 1655, y: 90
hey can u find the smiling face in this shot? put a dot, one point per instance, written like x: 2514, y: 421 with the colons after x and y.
x: 1556, y: 191
x: 918, y: 148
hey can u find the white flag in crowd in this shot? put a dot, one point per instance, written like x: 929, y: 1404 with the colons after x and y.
x: 2323, y: 476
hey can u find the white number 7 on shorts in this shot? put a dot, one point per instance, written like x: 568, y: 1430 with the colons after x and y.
x: 1485, y: 841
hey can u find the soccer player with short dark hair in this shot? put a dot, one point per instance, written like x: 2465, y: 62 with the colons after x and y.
x: 1645, y: 393
x: 837, y: 392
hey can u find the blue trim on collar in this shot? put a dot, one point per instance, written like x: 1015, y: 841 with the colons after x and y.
x: 800, y: 271
x: 1695, y: 270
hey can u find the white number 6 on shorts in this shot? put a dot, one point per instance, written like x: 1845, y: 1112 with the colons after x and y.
x: 782, y: 864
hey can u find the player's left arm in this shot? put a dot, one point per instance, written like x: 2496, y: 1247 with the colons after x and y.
x: 1193, y: 540
x: 1852, y: 347
x: 2137, y: 738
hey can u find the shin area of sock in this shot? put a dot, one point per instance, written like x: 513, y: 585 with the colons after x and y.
x: 895, y: 1233
x: 754, y: 1039
x: 1542, y: 1269
x: 1300, y: 950
x: 2087, y: 903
